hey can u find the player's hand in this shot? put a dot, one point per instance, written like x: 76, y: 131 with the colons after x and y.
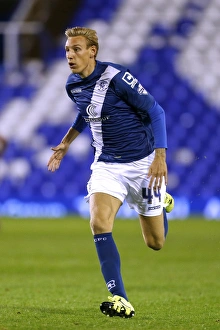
x: 157, y: 172
x: 55, y: 160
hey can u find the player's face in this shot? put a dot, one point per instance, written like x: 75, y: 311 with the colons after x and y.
x: 80, y: 57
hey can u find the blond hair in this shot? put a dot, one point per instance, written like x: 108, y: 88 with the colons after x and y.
x: 89, y: 34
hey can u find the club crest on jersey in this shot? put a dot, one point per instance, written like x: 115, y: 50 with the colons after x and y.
x: 102, y: 85
x: 129, y: 79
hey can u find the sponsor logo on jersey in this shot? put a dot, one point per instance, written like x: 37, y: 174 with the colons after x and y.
x: 129, y: 79
x: 88, y: 120
x: 93, y: 114
x: 141, y: 90
x: 91, y: 110
x: 76, y: 90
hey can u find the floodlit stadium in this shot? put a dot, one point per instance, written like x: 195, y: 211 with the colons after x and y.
x: 49, y: 271
x: 172, y: 47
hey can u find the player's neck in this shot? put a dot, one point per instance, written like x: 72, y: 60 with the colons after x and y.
x: 88, y: 70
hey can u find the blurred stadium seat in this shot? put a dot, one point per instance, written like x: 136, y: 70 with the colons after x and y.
x: 172, y: 47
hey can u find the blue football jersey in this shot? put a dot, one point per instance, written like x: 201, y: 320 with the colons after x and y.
x: 126, y: 122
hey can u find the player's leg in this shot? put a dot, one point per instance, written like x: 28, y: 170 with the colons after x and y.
x: 153, y: 230
x: 103, y: 209
x: 150, y: 204
x: 155, y: 227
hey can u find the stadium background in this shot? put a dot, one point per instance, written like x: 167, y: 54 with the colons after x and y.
x: 171, y: 46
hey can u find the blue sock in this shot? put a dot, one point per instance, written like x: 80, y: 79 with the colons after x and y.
x: 165, y: 221
x: 110, y: 263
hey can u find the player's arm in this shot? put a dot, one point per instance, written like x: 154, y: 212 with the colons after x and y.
x: 158, y: 169
x: 3, y: 145
x: 61, y: 149
x: 130, y: 89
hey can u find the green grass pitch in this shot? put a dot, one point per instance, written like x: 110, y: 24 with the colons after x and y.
x: 50, y: 277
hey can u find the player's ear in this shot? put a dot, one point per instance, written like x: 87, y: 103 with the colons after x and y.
x: 93, y: 51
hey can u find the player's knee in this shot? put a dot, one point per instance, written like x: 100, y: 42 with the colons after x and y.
x: 97, y: 227
x: 155, y: 244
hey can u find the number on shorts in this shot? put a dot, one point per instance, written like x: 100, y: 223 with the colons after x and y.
x: 146, y: 194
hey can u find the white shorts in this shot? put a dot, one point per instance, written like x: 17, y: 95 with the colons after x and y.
x: 128, y: 181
